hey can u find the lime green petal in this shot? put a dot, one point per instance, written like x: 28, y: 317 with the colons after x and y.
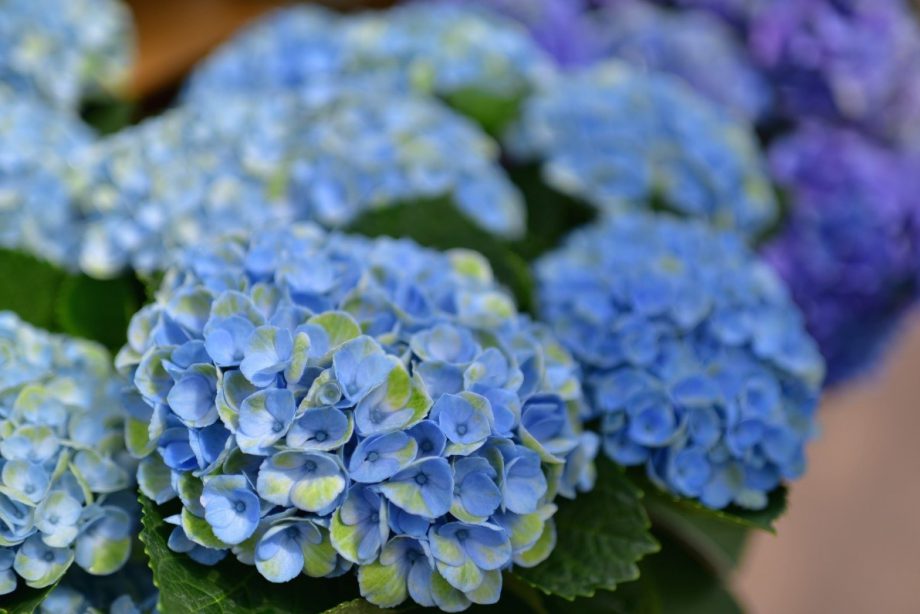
x: 314, y: 495
x: 345, y: 538
x: 465, y: 577
x: 489, y: 591
x: 108, y: 557
x: 446, y: 596
x: 541, y: 550
x: 200, y: 532
x: 319, y: 559
x: 137, y: 438
x: 339, y: 326
x: 383, y: 585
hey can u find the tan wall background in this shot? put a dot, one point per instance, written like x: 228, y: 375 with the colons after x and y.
x: 851, y: 540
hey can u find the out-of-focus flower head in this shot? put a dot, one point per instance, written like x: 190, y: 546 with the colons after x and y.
x: 561, y: 27
x: 695, y: 46
x: 63, y: 458
x: 848, y: 249
x: 35, y: 212
x: 320, y: 402
x: 857, y: 60
x: 229, y: 163
x: 63, y: 50
x: 694, y: 357
x: 431, y: 47
x: 621, y: 139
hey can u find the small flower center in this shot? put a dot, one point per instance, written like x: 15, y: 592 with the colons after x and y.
x: 462, y: 429
x: 462, y: 534
x: 310, y: 466
x: 375, y: 517
x: 372, y: 456
x: 240, y: 507
x: 421, y: 479
x: 29, y: 489
x: 321, y: 436
x: 54, y: 519
x: 427, y: 446
x: 49, y: 556
x: 277, y: 426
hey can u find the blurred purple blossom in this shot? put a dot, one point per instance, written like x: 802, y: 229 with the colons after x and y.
x: 849, y: 249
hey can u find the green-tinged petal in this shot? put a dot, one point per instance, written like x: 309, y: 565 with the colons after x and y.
x: 137, y: 438
x: 446, y: 549
x: 446, y: 596
x: 471, y: 265
x: 541, y: 550
x: 232, y: 390
x: 339, y: 326
x: 345, y: 538
x: 199, y: 531
x: 489, y: 591
x: 407, y: 495
x: 319, y: 560
x: 299, y: 357
x: 154, y: 479
x: 103, y: 557
x: 383, y: 585
x: 465, y: 577
x: 463, y: 449
x: 317, y: 493
x: 189, y: 489
x: 531, y: 442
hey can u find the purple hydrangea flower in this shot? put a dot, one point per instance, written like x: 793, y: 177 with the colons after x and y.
x: 847, y: 251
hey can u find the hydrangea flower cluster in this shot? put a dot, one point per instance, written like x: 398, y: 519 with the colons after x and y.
x: 62, y: 50
x: 849, y: 248
x: 326, y: 402
x: 428, y: 47
x: 35, y: 213
x: 233, y: 162
x: 62, y: 458
x: 694, y: 357
x: 561, y: 27
x: 620, y: 139
x: 855, y: 60
x: 694, y: 46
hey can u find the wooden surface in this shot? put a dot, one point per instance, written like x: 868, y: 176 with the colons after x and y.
x: 851, y: 540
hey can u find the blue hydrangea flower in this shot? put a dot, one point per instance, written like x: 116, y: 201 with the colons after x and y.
x: 427, y: 47
x: 694, y: 46
x: 849, y: 250
x: 36, y: 214
x: 232, y: 163
x: 62, y: 456
x: 64, y: 50
x: 378, y: 406
x: 620, y: 138
x: 695, y: 359
x: 697, y: 47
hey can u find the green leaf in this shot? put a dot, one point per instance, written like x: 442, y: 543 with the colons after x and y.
x: 551, y: 215
x: 29, y: 287
x: 230, y: 587
x: 437, y: 223
x: 24, y: 600
x: 493, y: 113
x: 99, y: 309
x: 661, y: 503
x: 717, y: 542
x: 602, y: 536
x: 356, y: 606
x: 107, y: 114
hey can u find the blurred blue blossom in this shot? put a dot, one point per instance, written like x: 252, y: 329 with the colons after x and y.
x: 427, y: 47
x: 36, y: 213
x: 355, y: 402
x: 64, y: 50
x: 695, y: 359
x: 619, y: 139
x: 694, y: 46
x: 849, y: 249
x: 233, y: 163
x: 62, y: 456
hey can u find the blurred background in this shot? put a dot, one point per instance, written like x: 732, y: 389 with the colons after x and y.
x: 861, y: 493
